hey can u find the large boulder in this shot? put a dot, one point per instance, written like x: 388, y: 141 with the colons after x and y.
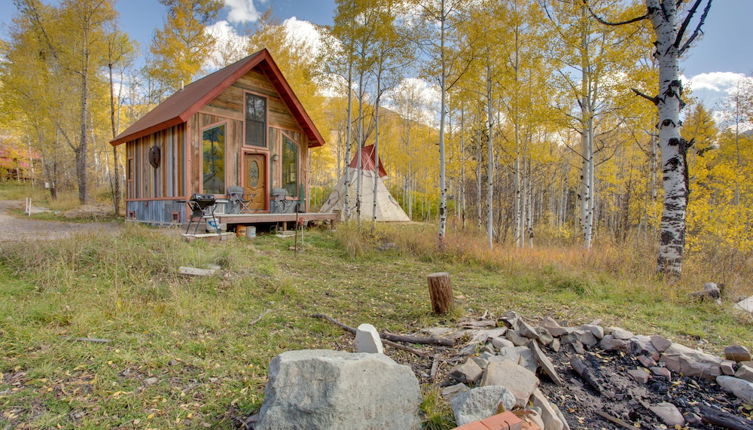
x: 336, y: 390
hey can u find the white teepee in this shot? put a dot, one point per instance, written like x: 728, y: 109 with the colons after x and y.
x: 387, y: 209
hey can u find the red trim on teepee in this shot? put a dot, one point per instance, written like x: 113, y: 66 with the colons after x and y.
x: 368, y: 161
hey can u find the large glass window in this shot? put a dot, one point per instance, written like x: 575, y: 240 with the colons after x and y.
x: 256, y: 120
x: 290, y: 166
x: 213, y: 162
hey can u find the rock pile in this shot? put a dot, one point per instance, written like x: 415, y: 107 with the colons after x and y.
x: 628, y: 378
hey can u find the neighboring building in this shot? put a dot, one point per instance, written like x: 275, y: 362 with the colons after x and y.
x: 239, y: 126
x: 16, y: 164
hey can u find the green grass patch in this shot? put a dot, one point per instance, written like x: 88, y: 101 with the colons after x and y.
x: 183, y: 351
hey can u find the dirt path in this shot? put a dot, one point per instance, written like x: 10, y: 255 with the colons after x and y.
x: 20, y: 229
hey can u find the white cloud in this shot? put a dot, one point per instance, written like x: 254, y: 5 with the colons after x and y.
x: 242, y: 11
x: 725, y: 82
x: 229, y: 45
x: 416, y: 99
x: 304, y: 33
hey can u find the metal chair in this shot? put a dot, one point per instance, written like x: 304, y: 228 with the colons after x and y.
x: 199, y: 205
x: 235, y: 196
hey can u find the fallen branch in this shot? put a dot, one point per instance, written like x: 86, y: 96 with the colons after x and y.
x: 421, y: 340
x: 257, y: 319
x: 434, y: 367
x: 582, y: 370
x: 723, y: 419
x: 351, y: 330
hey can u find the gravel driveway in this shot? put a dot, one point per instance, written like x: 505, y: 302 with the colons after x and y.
x: 21, y: 229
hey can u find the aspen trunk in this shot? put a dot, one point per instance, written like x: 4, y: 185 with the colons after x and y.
x: 442, y: 110
x: 490, y: 161
x: 348, y: 141
x: 440, y: 292
x: 664, y: 17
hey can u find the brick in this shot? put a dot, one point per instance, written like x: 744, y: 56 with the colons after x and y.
x: 476, y: 425
x: 503, y: 421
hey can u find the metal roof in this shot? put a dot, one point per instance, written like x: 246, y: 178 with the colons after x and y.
x: 179, y: 107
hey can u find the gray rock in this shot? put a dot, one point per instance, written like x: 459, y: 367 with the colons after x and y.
x: 745, y: 372
x: 660, y: 343
x: 368, y: 340
x: 482, y: 360
x: 742, y: 389
x: 728, y: 367
x: 469, y: 349
x: 646, y: 361
x: 150, y: 381
x: 619, y: 333
x: 712, y: 290
x: 691, y: 362
x: 468, y: 372
x: 544, y: 336
x: 586, y: 337
x: 527, y: 359
x: 500, y: 342
x: 555, y: 345
x: 480, y: 403
x: 642, y: 345
x: 545, y: 363
x: 668, y: 413
x: 737, y: 353
x: 511, y: 319
x: 520, y: 381
x: 640, y: 375
x: 596, y: 330
x: 549, y: 415
x: 453, y: 390
x: 527, y: 330
x: 509, y: 353
x: 483, y: 336
x: 578, y: 347
x: 554, y: 328
x: 515, y: 337
x: 488, y: 349
x: 662, y: 372
x: 336, y: 390
x: 610, y: 343
x: 745, y: 305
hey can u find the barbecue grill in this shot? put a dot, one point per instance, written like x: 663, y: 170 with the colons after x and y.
x: 201, y: 205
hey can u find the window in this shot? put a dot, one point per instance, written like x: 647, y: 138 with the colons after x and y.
x: 256, y: 120
x: 213, y: 162
x: 290, y: 166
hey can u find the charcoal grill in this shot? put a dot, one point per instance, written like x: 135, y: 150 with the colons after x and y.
x: 201, y: 205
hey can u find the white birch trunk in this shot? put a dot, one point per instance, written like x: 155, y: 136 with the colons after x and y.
x: 664, y: 17
x: 490, y: 160
x: 348, y: 141
x: 442, y: 111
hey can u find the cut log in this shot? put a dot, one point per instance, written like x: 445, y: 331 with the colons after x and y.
x: 723, y: 419
x: 194, y: 271
x: 440, y: 292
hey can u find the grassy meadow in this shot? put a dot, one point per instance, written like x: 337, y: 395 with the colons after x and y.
x: 192, y: 353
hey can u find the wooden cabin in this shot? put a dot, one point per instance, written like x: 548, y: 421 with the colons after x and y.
x: 241, y: 126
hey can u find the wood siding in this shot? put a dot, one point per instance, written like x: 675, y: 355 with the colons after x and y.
x: 167, y: 180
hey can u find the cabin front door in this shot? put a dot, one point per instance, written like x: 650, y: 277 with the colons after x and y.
x: 255, y: 180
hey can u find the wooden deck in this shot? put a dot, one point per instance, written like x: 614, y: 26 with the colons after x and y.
x: 259, y: 218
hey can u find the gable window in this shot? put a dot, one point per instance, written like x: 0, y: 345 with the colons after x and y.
x: 290, y: 166
x: 256, y: 120
x: 213, y: 161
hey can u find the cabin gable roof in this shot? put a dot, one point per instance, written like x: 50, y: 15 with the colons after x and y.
x: 180, y: 106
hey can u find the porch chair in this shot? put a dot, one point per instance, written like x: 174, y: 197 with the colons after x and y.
x: 235, y: 197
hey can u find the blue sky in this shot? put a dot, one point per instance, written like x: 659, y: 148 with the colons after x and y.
x: 713, y: 64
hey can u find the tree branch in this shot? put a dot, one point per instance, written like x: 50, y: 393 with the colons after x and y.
x: 654, y: 100
x: 697, y: 30
x: 686, y: 22
x: 605, y: 22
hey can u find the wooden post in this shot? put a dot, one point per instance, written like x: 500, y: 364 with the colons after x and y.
x: 440, y: 292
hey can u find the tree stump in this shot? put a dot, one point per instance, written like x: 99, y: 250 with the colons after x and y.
x: 440, y: 292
